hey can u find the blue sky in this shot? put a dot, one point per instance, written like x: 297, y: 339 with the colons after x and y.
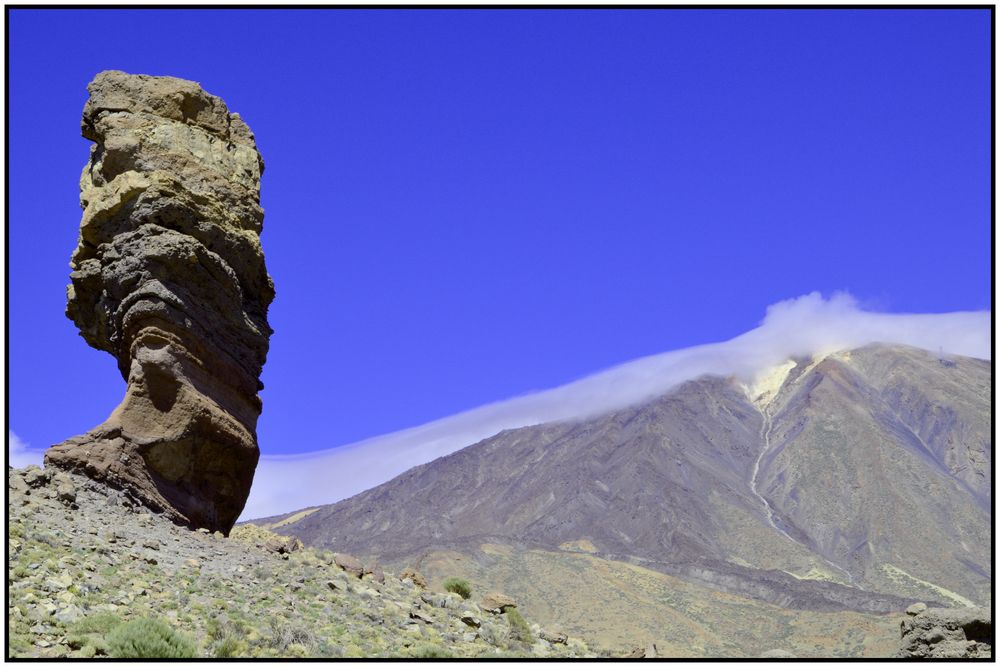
x: 464, y: 206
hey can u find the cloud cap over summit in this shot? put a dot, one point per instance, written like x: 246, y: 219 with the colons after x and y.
x: 804, y: 326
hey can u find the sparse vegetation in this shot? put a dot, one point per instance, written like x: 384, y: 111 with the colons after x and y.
x: 218, y: 598
x: 230, y: 647
x: 519, y: 630
x: 88, y: 634
x: 284, y: 634
x: 148, y: 638
x: 460, y: 586
x: 426, y: 651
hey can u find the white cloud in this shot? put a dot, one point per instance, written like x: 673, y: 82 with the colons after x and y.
x: 19, y: 454
x: 798, y: 327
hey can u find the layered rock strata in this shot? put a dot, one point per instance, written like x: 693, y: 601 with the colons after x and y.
x: 169, y: 277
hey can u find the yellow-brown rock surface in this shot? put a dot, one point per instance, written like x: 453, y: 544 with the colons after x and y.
x: 169, y: 277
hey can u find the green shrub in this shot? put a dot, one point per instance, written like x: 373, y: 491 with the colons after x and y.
x: 284, y: 634
x: 91, y: 631
x: 431, y: 651
x: 519, y: 630
x: 219, y: 628
x: 229, y: 647
x: 88, y: 651
x: 148, y: 638
x: 460, y: 586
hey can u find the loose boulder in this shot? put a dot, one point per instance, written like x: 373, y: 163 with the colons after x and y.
x: 947, y: 634
x: 169, y: 278
x: 350, y: 565
x: 497, y: 603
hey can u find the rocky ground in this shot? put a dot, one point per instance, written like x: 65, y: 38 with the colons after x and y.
x: 83, y: 558
x: 946, y: 634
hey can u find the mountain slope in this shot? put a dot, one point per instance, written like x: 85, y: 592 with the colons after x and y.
x: 83, y: 560
x: 856, y: 481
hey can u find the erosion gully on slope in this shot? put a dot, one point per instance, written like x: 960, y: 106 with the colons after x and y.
x: 765, y: 436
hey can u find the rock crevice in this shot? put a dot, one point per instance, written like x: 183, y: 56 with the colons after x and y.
x: 169, y: 277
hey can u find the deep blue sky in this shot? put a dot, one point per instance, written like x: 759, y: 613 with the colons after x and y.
x: 463, y: 206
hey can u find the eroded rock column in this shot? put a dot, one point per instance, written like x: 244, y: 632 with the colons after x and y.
x: 169, y: 277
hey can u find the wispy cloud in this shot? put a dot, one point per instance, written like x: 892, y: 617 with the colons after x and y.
x: 804, y: 326
x: 20, y: 454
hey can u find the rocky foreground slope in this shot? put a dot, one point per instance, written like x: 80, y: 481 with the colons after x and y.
x: 856, y: 482
x: 83, y: 559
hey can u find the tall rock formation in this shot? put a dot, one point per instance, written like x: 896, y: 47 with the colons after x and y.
x: 169, y: 277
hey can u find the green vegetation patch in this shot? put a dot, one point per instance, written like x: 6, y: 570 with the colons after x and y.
x: 519, y: 630
x: 426, y: 651
x: 460, y: 586
x: 148, y: 638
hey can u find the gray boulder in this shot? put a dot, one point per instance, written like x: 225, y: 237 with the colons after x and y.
x: 947, y: 634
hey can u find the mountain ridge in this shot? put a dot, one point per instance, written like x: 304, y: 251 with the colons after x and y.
x: 856, y: 481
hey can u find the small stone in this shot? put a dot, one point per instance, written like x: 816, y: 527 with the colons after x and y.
x: 552, y: 637
x: 66, y: 491
x: 36, y: 477
x: 59, y: 582
x: 70, y: 614
x: 934, y: 636
x: 409, y: 574
x: 420, y: 616
x: 17, y: 484
x: 338, y: 585
x: 916, y: 608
